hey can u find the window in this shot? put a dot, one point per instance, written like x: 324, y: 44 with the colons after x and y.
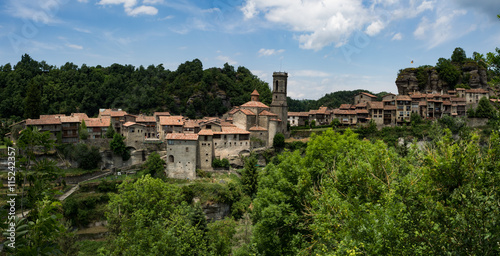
x: 187, y: 149
x: 170, y: 158
x: 170, y: 142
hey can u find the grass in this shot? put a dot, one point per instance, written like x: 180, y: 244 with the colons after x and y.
x: 3, y: 146
x: 71, y: 172
x: 89, y: 247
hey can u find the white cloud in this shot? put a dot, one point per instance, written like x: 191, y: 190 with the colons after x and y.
x: 397, y: 36
x: 269, y: 52
x: 226, y: 59
x: 83, y: 1
x: 82, y: 30
x: 168, y: 17
x: 443, y: 28
x: 37, y: 11
x: 130, y: 9
x: 142, y: 10
x: 152, y: 1
x: 75, y: 46
x: 320, y: 23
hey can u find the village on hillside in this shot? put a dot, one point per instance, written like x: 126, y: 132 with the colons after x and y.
x: 191, y: 144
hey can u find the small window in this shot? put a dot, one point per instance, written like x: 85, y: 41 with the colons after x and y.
x: 187, y: 149
x: 170, y: 158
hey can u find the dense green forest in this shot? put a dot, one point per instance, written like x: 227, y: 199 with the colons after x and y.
x: 337, y: 195
x: 31, y: 88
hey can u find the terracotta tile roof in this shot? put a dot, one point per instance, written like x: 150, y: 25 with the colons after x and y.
x: 254, y: 104
x: 447, y: 103
x: 229, y: 119
x: 98, y: 122
x: 113, y: 113
x: 69, y: 119
x: 231, y: 130
x: 161, y: 114
x: 81, y: 116
x: 345, y: 106
x: 172, y: 120
x: 389, y: 107
x: 361, y: 111
x: 312, y: 112
x: 322, y: 110
x: 255, y: 93
x: 257, y: 128
x: 127, y: 124
x: 368, y: 94
x: 361, y: 105
x: 267, y: 113
x: 181, y: 136
x: 275, y: 119
x: 376, y: 105
x: 226, y: 124
x: 44, y: 121
x: 191, y: 124
x: 206, y: 132
x: 403, y: 98
x: 344, y: 112
x: 145, y: 119
x: 234, y: 110
x: 247, y: 112
x: 298, y: 113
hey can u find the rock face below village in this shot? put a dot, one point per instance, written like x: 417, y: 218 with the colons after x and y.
x: 425, y: 79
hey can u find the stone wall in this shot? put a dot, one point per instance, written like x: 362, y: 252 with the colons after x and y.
x: 181, y: 159
x: 477, y: 122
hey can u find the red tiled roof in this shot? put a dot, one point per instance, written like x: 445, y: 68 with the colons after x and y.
x: 145, y: 119
x: 361, y: 111
x: 81, y: 116
x: 257, y: 128
x: 98, y: 122
x: 376, y: 105
x: 298, y: 113
x: 206, y: 132
x: 322, y: 110
x: 344, y: 112
x: 403, y: 97
x: 247, y: 112
x: 181, y: 136
x: 234, y: 110
x: 191, y: 123
x: 69, y: 119
x: 447, y: 103
x: 368, y: 94
x: 171, y: 120
x: 44, y: 121
x: 113, y: 113
x: 255, y: 93
x: 267, y: 113
x: 161, y: 114
x: 345, y: 106
x: 275, y: 119
x: 254, y: 104
x: 477, y: 91
x: 231, y: 130
x: 127, y: 124
x: 389, y: 107
x: 361, y: 105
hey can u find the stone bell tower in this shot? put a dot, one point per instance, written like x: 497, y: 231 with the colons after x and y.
x: 279, y: 105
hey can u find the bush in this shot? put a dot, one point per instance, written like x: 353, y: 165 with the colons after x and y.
x: 220, y: 163
x: 203, y: 174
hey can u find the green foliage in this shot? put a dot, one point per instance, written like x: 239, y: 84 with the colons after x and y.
x: 458, y: 56
x: 82, y: 132
x: 27, y: 90
x: 81, y: 210
x: 312, y: 124
x: 249, y: 176
x: 220, y: 163
x: 448, y: 72
x: 154, y: 165
x: 485, y: 109
x: 117, y: 145
x: 110, y: 132
x: 203, y: 174
x: 335, y: 123
x: 87, y: 157
x: 220, y: 234
x: 279, y: 141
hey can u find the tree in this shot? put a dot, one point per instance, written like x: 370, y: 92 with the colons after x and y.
x: 458, y: 56
x: 150, y: 217
x: 448, y: 72
x: 485, y: 109
x: 84, y: 134
x: 32, y: 102
x: 117, y: 145
x: 110, y: 132
x: 88, y: 158
x: 279, y: 141
x: 249, y: 176
x: 154, y: 165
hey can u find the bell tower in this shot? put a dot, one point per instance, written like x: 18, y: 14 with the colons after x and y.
x: 279, y: 105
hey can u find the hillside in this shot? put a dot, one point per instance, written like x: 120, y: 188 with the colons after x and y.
x: 190, y: 90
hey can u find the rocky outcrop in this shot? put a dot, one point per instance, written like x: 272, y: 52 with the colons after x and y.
x: 426, y: 79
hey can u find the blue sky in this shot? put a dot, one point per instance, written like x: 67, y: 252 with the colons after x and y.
x: 325, y: 46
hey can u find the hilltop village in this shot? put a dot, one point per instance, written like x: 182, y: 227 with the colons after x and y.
x: 190, y: 144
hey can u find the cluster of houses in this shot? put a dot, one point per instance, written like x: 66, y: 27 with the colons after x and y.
x: 393, y: 109
x: 187, y: 144
x: 190, y: 144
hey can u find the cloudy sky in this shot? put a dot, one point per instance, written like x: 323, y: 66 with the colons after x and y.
x: 325, y: 46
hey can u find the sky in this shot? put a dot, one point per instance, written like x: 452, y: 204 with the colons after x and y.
x: 325, y: 46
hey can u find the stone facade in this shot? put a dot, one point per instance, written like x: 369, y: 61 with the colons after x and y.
x: 182, y: 152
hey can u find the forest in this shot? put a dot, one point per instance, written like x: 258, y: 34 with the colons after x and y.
x: 339, y: 194
x: 31, y: 88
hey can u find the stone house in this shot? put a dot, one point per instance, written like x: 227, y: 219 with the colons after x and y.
x: 182, y: 154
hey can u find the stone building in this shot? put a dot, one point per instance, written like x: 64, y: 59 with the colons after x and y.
x: 182, y: 153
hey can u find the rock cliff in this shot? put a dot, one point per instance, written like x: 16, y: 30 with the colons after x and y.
x: 426, y: 78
